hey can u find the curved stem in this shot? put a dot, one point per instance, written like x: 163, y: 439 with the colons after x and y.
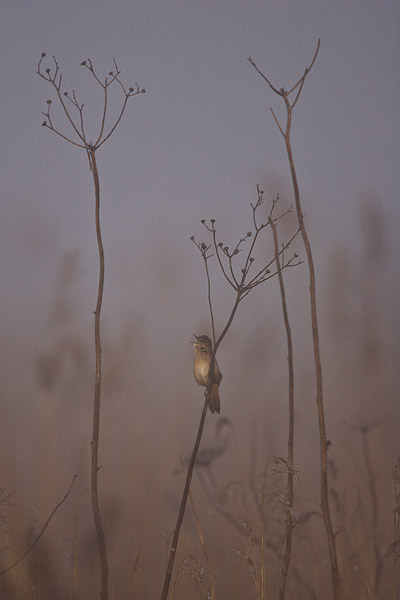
x: 289, y: 489
x: 97, y: 391
x: 173, y: 548
x: 35, y: 541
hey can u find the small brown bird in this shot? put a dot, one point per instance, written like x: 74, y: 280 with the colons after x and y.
x: 202, y: 348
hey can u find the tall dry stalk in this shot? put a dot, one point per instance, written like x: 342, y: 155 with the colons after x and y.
x: 67, y: 100
x: 289, y: 488
x: 396, y: 522
x: 242, y: 281
x: 286, y: 131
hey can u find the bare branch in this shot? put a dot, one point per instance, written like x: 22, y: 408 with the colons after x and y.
x: 53, y: 512
x: 55, y: 79
x: 218, y: 246
x: 279, y: 92
x: 282, y: 92
x: 277, y: 122
x: 306, y: 72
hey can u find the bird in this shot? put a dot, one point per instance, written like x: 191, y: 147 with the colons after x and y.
x: 202, y: 349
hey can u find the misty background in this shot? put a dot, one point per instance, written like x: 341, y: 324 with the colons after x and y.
x: 194, y: 147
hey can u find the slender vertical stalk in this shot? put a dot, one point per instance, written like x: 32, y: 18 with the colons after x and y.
x: 68, y: 100
x: 185, y: 495
x: 318, y: 375
x: 173, y: 548
x: 97, y: 389
x: 285, y: 131
x: 289, y: 489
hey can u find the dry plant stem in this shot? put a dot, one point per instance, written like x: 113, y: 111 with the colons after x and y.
x: 97, y: 390
x: 53, y: 512
x: 396, y: 523
x: 54, y: 77
x: 289, y: 492
x: 263, y: 534
x: 233, y: 521
x: 173, y: 548
x: 189, y: 475
x: 242, y: 289
x: 374, y: 506
x: 203, y: 547
x: 209, y: 299
x: 314, y: 322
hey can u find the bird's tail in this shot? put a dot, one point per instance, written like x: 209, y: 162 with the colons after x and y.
x: 213, y: 401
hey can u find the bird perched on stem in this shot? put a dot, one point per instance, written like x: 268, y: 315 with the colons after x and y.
x: 202, y: 348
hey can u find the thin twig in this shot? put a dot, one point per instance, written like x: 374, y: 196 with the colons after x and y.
x: 173, y: 547
x: 53, y: 512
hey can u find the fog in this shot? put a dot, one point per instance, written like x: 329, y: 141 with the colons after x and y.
x: 194, y: 147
